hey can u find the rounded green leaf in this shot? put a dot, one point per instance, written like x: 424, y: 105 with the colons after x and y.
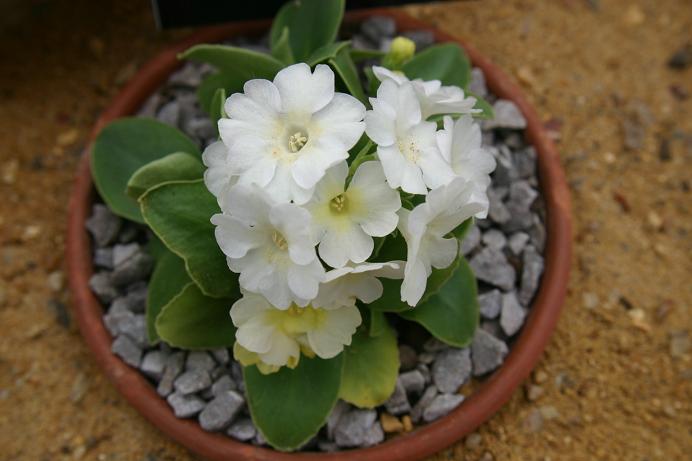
x: 179, y: 213
x: 486, y: 108
x: 462, y: 229
x: 290, y: 406
x: 346, y: 70
x: 211, y: 84
x: 326, y: 52
x: 167, y: 281
x: 216, y: 110
x: 122, y: 148
x: 240, y: 63
x: 191, y: 320
x: 450, y: 311
x: 311, y: 24
x: 446, y: 62
x: 281, y: 49
x: 173, y: 167
x: 371, y: 366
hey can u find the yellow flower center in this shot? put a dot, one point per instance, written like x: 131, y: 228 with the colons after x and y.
x: 296, y: 141
x: 409, y: 149
x: 339, y: 203
x: 279, y: 240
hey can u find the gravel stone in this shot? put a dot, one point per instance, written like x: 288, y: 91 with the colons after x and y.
x: 135, y: 326
x: 426, y: 358
x: 505, y: 172
x: 423, y: 403
x: 422, y: 38
x: 408, y: 358
x: 490, y: 304
x: 530, y: 275
x: 471, y: 240
x: 224, y: 383
x: 487, y: 352
x: 413, y: 381
x: 451, y: 369
x: 497, y: 210
x: 493, y: 327
x: 425, y: 371
x: 537, y: 233
x: 525, y: 160
x: 137, y: 297
x: 135, y: 268
x: 374, y: 435
x: 353, y: 427
x: 101, y: 283
x: 338, y: 411
x: 242, y: 430
x: 398, y: 403
x: 507, y: 115
x: 477, y: 84
x: 221, y: 355
x: 376, y: 28
x: 434, y: 345
x: 185, y: 406
x: 219, y: 413
x: 491, y: 266
x: 122, y: 253
x: 170, y: 113
x: 189, y: 76
x: 103, y: 257
x: 512, y: 315
x: 114, y: 318
x: 517, y: 242
x: 495, y: 239
x: 441, y: 405
x: 128, y: 350
x: 153, y: 364
x: 522, y: 195
x: 200, y: 360
x: 103, y: 225
x: 192, y: 381
x: 174, y: 365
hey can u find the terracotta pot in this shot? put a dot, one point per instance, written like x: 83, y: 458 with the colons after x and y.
x: 425, y: 441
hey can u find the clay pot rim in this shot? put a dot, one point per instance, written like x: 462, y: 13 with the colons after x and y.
x: 425, y: 441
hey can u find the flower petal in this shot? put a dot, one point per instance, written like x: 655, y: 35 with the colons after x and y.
x: 336, y: 331
x: 303, y: 91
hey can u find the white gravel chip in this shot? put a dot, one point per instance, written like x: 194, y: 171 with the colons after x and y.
x: 441, y: 405
x: 451, y: 369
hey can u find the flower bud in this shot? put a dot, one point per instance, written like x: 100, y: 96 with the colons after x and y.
x: 401, y: 50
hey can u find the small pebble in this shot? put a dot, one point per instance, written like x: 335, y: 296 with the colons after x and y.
x: 470, y: 241
x: 517, y: 242
x: 122, y: 253
x: 219, y: 413
x: 441, y: 405
x: 530, y: 275
x: 338, y: 411
x: 391, y: 423
x: 398, y: 403
x: 128, y: 350
x: 221, y: 355
x: 200, y: 360
x: 103, y: 225
x: 477, y: 84
x: 533, y: 392
x: 185, y: 406
x: 374, y: 435
x: 422, y: 38
x: 491, y: 266
x: 103, y: 257
x: 408, y: 358
x: 224, y: 383
x: 101, y: 283
x: 473, y: 441
x: 376, y: 28
x: 170, y: 113
x: 451, y: 369
x: 353, y: 427
x: 153, y: 364
x: 423, y: 403
x: 495, y: 239
x: 174, y: 366
x: 135, y: 268
x: 242, y: 430
x: 507, y: 115
x: 192, y: 381
x: 413, y: 381
x: 512, y: 315
x: 490, y: 304
x: 487, y: 352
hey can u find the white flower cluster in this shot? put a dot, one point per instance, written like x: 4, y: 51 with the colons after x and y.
x: 298, y: 228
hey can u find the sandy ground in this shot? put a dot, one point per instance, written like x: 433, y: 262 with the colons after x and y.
x: 615, y: 382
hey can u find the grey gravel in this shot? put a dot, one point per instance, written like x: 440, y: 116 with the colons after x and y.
x: 101, y: 283
x: 425, y: 371
x: 441, y: 405
x: 507, y: 115
x: 338, y: 411
x: 491, y: 266
x: 497, y: 210
x: 242, y: 430
x: 423, y: 403
x: 398, y: 403
x: 135, y: 268
x: 122, y: 253
x: 221, y: 355
x: 532, y: 269
x: 374, y: 435
x: 376, y: 28
x: 135, y: 326
x: 353, y: 427
x: 413, y: 381
x: 219, y: 413
x: 103, y: 225
x: 505, y: 170
x: 174, y: 365
x: 192, y: 381
x: 185, y: 406
x: 103, y: 257
x: 422, y: 38
x: 512, y: 315
x: 434, y: 345
x: 408, y: 358
x: 128, y: 350
x: 477, y: 84
x: 114, y: 318
x: 153, y: 364
x: 517, y: 242
x: 490, y: 304
x: 451, y: 369
x: 426, y: 357
x: 170, y: 113
x: 224, y: 383
x: 495, y: 239
x: 487, y: 352
x: 200, y: 360
x: 525, y: 160
x: 470, y: 241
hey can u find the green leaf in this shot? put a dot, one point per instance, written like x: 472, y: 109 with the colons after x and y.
x: 167, y: 281
x: 172, y: 167
x: 446, y: 62
x: 450, y: 311
x: 378, y: 322
x: 281, y: 49
x: 194, y: 321
x: 290, y: 406
x: 346, y: 70
x: 122, y: 148
x: 312, y: 24
x: 463, y: 229
x: 241, y: 63
x: 361, y: 55
x: 487, y: 109
x: 371, y: 366
x: 216, y: 110
x: 179, y: 213
x: 210, y: 85
x: 326, y: 52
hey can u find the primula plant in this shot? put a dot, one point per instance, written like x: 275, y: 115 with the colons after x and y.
x: 319, y: 215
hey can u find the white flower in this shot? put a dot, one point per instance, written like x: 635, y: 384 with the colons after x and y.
x: 272, y: 338
x: 270, y: 245
x: 346, y: 221
x: 342, y: 286
x: 460, y: 144
x: 217, y: 176
x: 425, y: 228
x: 406, y: 143
x: 283, y: 135
x: 434, y: 98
